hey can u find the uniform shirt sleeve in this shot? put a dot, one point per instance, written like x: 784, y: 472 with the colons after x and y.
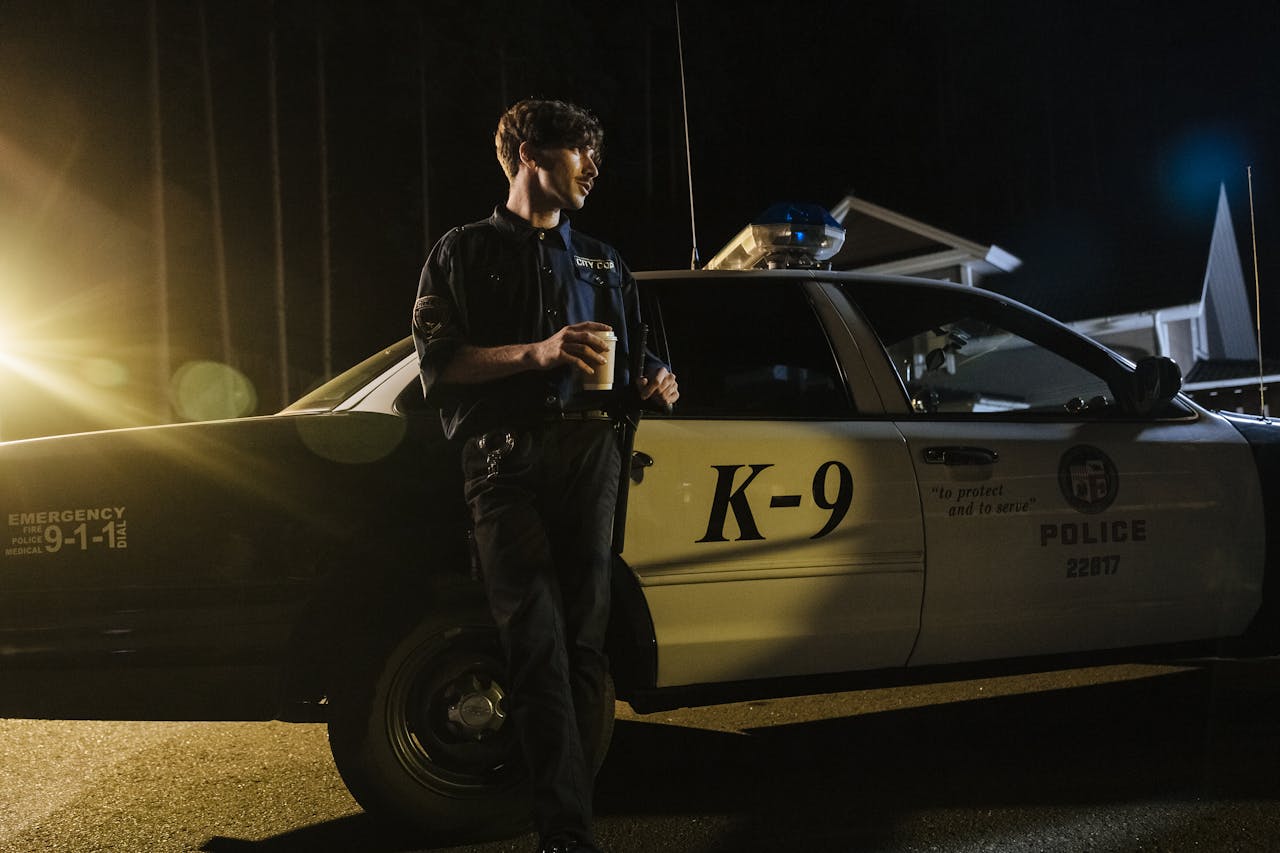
x: 631, y: 299
x: 438, y: 321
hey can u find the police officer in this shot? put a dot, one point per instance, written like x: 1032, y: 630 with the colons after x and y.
x: 511, y: 316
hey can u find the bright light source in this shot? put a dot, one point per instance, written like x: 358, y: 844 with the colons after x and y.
x: 59, y: 367
x: 8, y: 345
x: 36, y: 369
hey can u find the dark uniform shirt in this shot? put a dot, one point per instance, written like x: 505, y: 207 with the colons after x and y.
x: 502, y: 281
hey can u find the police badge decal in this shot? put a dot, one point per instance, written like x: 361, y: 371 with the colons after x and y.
x: 1088, y: 478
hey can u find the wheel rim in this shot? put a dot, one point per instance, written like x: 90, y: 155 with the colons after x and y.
x: 445, y: 715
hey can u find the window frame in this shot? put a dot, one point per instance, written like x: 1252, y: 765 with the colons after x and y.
x: 1031, y: 325
x: 655, y: 314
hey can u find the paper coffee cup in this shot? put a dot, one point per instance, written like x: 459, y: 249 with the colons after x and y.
x: 602, y: 378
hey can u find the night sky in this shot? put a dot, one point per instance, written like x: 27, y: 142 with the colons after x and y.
x: 1089, y: 139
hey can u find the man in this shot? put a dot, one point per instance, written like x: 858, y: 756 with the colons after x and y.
x: 511, y: 316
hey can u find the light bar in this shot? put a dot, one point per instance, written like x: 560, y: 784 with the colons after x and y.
x: 799, y: 235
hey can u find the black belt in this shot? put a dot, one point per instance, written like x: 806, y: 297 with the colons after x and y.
x: 586, y: 415
x: 550, y: 417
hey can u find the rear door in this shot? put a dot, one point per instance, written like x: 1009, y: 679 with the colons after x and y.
x: 775, y: 530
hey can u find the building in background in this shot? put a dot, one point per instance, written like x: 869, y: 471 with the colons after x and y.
x: 878, y: 240
x: 1209, y: 331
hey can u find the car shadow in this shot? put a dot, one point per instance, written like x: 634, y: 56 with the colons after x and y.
x: 850, y: 782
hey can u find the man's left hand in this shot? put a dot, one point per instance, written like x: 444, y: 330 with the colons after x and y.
x: 660, y: 385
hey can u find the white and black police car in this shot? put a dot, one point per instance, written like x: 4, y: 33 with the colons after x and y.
x: 867, y: 480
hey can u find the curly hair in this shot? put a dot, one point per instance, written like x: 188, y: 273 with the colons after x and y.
x: 545, y: 124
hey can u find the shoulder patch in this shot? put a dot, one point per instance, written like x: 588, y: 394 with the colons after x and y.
x: 430, y: 315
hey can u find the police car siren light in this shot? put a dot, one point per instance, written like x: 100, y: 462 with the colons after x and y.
x: 797, y: 235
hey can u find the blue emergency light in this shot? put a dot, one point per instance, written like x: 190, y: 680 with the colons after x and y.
x: 797, y: 235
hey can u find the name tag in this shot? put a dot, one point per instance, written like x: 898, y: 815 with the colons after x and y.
x: 593, y: 263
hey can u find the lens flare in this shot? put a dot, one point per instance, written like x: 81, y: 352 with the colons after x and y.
x: 354, y: 438
x: 210, y: 390
x: 104, y: 373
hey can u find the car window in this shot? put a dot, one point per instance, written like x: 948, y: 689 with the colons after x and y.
x: 958, y: 353
x: 744, y: 349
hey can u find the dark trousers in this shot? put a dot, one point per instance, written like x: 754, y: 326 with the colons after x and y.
x: 542, y: 502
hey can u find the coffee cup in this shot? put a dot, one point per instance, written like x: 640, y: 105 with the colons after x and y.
x: 602, y: 378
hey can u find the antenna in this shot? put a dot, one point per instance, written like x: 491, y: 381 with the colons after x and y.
x: 688, y: 156
x: 1257, y: 297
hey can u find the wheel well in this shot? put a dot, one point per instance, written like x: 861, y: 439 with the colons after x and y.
x: 377, y: 592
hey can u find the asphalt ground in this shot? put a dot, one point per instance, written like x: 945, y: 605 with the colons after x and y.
x: 1107, y: 759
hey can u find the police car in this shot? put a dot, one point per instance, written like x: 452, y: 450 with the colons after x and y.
x: 867, y: 479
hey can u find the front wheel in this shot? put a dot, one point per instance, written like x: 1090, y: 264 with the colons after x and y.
x: 419, y: 731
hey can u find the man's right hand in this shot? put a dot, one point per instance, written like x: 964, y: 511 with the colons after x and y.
x: 575, y: 345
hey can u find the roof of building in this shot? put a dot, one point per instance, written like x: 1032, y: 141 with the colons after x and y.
x: 876, y: 237
x: 1218, y: 370
x: 881, y: 240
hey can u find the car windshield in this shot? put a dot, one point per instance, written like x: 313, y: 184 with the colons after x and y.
x: 345, y: 384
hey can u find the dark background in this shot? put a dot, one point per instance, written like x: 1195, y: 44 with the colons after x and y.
x: 1087, y: 138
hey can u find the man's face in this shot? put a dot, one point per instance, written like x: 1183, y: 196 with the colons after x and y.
x: 565, y: 176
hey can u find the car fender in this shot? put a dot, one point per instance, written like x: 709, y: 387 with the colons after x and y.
x: 1263, y: 435
x: 631, y: 644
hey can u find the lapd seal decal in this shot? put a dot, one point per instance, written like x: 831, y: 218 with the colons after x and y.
x: 1088, y: 478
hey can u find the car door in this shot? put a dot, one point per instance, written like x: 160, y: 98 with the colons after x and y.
x: 1055, y: 521
x: 772, y: 529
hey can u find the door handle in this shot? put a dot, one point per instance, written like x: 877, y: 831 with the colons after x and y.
x: 639, y: 461
x: 960, y: 456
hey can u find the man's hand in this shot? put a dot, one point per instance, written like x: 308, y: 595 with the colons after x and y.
x: 574, y: 345
x: 660, y: 385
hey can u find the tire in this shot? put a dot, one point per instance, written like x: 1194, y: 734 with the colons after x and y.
x: 420, y: 737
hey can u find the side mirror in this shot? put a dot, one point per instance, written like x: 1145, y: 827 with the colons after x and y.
x: 1156, y: 380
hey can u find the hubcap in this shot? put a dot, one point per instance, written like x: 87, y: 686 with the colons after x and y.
x: 475, y: 708
x: 446, y: 717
